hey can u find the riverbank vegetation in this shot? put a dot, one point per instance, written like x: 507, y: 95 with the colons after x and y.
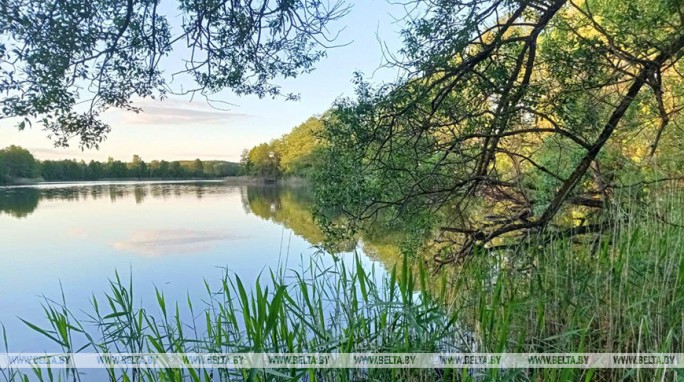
x: 17, y: 164
x: 297, y: 153
x: 498, y: 132
x: 529, y: 153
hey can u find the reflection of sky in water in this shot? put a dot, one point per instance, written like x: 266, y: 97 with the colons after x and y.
x: 173, y: 241
x: 170, y: 235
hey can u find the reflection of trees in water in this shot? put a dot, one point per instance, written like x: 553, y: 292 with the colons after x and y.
x: 116, y: 192
x: 22, y: 201
x: 292, y: 207
x: 19, y: 202
x: 287, y: 206
x: 139, y: 192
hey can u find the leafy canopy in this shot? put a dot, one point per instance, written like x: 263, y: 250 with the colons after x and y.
x: 510, y: 112
x: 66, y: 61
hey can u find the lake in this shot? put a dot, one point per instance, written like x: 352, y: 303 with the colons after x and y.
x: 72, y: 237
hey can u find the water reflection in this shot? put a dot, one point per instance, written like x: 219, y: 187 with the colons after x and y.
x: 287, y: 206
x: 19, y: 203
x: 165, y: 234
x: 173, y: 241
x: 290, y: 207
x: 168, y: 235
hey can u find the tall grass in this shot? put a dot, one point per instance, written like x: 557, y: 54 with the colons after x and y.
x: 339, y: 308
x: 621, y: 291
x: 616, y: 292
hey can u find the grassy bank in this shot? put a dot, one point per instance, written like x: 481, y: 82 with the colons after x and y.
x: 618, y: 292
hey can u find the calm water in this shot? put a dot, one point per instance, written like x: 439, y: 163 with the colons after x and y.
x: 169, y: 235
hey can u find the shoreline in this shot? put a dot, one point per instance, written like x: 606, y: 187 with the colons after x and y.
x: 233, y: 180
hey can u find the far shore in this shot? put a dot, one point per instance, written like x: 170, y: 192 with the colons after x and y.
x: 231, y: 180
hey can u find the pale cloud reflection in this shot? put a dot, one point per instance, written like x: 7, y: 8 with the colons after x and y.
x: 173, y: 241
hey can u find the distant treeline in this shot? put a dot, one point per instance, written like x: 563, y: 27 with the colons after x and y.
x: 18, y: 163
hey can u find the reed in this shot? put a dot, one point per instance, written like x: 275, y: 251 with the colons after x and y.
x: 618, y: 292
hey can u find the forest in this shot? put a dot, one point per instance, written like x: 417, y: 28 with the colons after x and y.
x: 297, y: 153
x: 520, y: 175
x: 17, y: 164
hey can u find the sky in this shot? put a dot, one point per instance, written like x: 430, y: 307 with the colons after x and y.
x: 176, y: 129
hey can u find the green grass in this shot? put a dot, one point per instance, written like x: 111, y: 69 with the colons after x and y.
x: 618, y: 292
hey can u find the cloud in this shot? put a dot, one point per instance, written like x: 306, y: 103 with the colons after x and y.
x: 58, y: 153
x: 205, y: 155
x: 176, y: 112
x: 173, y: 241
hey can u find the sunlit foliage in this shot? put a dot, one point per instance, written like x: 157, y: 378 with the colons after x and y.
x: 510, y: 117
x: 295, y: 153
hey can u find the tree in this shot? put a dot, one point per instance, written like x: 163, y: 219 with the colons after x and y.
x: 17, y: 162
x: 223, y: 169
x: 51, y: 170
x: 209, y: 169
x: 508, y: 113
x: 95, y: 170
x: 138, y: 168
x: 164, y: 169
x: 56, y: 54
x: 176, y: 170
x: 296, y: 148
x: 197, y: 168
x: 264, y: 161
x: 116, y: 168
x: 245, y: 165
x: 295, y: 153
x: 3, y: 171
